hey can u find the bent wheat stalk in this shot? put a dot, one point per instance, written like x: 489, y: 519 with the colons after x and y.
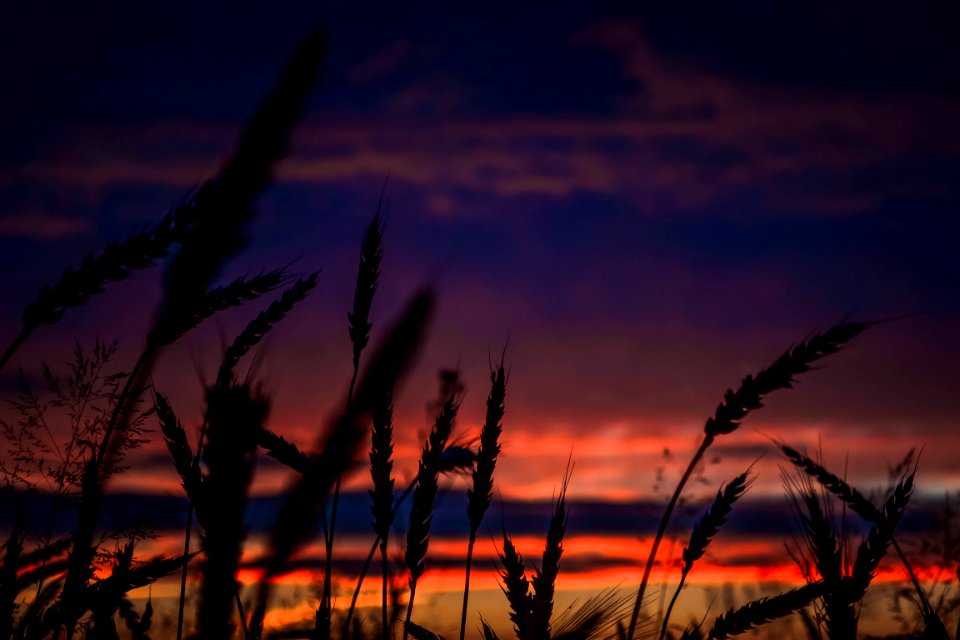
x: 735, y: 407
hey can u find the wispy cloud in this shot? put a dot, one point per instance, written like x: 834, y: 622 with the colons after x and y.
x: 40, y: 226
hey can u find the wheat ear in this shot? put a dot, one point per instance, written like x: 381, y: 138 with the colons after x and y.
x: 253, y: 333
x: 116, y: 262
x: 515, y: 586
x: 753, y: 614
x: 874, y: 546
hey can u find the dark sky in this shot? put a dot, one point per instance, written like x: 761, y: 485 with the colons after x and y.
x: 649, y: 201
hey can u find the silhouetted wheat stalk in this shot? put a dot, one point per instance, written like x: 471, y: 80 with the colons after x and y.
x: 516, y: 587
x: 735, y: 407
x: 424, y: 496
x: 480, y: 495
x: 368, y: 274
x: 108, y: 595
x: 178, y: 446
x: 703, y: 532
x: 187, y: 465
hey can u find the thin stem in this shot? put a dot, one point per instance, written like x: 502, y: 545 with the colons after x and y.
x: 363, y: 574
x: 383, y: 593
x: 243, y: 616
x: 183, y: 572
x: 664, y: 521
x: 673, y: 601
x: 406, y: 623
x: 373, y: 549
x: 186, y: 539
x: 466, y: 585
x: 924, y: 602
x: 353, y: 380
x: 329, y: 532
x: 328, y: 564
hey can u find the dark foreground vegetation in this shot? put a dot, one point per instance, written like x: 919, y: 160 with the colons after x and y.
x: 77, y: 585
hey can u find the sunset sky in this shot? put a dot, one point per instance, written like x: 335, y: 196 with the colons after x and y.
x: 644, y: 203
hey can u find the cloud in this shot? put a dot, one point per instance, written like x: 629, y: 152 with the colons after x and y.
x: 40, y: 226
x: 817, y: 154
